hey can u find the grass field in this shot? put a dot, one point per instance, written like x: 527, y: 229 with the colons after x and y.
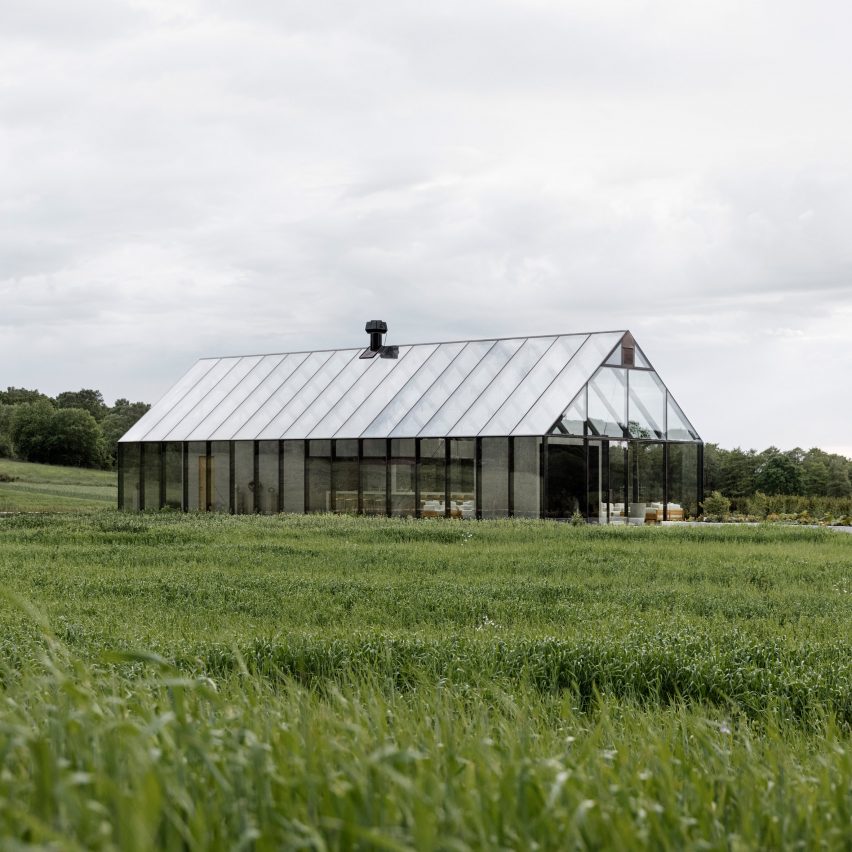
x: 334, y: 682
x: 49, y: 488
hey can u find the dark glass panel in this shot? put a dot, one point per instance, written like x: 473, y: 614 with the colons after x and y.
x: 244, y: 484
x: 266, y: 493
x: 495, y: 477
x: 595, y: 508
x: 319, y: 476
x: 151, y: 466
x: 683, y: 481
x: 374, y: 476
x: 526, y: 478
x: 293, y: 490
x: 174, y: 475
x: 462, y: 477
x: 566, y: 477
x: 197, y: 475
x: 345, y: 476
x: 647, y: 472
x: 432, y: 477
x: 130, y: 462
x: 618, y: 491
x: 402, y: 476
x: 220, y: 477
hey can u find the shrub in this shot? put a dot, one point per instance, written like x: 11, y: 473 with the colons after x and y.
x: 716, y: 507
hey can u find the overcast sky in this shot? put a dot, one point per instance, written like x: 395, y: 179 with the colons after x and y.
x: 181, y: 179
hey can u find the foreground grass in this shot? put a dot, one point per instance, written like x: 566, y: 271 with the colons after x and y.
x: 50, y: 488
x: 328, y: 682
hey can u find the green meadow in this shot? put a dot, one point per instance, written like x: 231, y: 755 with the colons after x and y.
x: 330, y: 682
x: 28, y: 487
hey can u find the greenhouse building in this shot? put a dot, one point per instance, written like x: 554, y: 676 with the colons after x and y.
x: 564, y: 426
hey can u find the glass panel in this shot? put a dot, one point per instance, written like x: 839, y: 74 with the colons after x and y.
x: 641, y: 360
x: 196, y: 426
x: 432, y: 477
x: 679, y: 428
x: 480, y: 376
x: 683, y: 481
x: 266, y: 493
x: 319, y: 476
x: 566, y: 477
x: 495, y: 477
x: 608, y: 402
x: 411, y: 393
x: 504, y: 384
x: 377, y: 371
x: 527, y: 478
x: 293, y: 491
x: 239, y: 425
x: 345, y: 476
x: 332, y: 395
x: 130, y: 462
x: 596, y: 510
x: 191, y: 399
x: 220, y: 476
x: 244, y: 484
x: 313, y: 388
x: 614, y: 359
x: 151, y: 418
x: 462, y: 475
x: 616, y: 472
x: 646, y: 465
x: 281, y: 394
x: 151, y: 466
x: 174, y: 476
x: 646, y: 406
x: 574, y: 419
x: 444, y: 386
x: 402, y: 476
x: 374, y: 476
x: 371, y: 406
x: 197, y: 476
x: 566, y: 385
x: 239, y: 397
x: 519, y: 402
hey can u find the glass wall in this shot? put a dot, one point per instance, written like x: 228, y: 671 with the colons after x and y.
x: 345, y: 476
x: 432, y: 477
x: 374, y: 476
x: 197, y: 476
x: 462, y: 477
x: 647, y: 475
x: 617, y: 485
x: 318, y: 498
x: 526, y: 478
x: 495, y: 477
x: 647, y: 405
x: 244, y: 483
x: 174, y: 475
x: 151, y: 462
x: 402, y: 467
x: 130, y: 459
x: 683, y: 481
x: 566, y: 477
x: 607, y: 405
x: 293, y: 489
x: 266, y: 493
x: 220, y: 476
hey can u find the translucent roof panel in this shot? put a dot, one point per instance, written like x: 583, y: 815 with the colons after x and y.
x: 539, y: 419
x: 511, y: 386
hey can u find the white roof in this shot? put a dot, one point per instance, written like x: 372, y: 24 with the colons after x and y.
x: 509, y: 386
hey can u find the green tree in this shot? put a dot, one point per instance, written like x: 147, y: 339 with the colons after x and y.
x: 16, y: 396
x: 777, y: 473
x: 119, y: 419
x: 737, y: 472
x: 7, y: 412
x: 75, y: 438
x: 87, y: 399
x: 30, y: 430
x: 838, y: 484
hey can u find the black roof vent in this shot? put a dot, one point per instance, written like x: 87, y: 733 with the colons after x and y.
x: 377, y: 328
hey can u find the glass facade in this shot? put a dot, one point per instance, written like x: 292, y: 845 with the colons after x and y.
x: 553, y: 427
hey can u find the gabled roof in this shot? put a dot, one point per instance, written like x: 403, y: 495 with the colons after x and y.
x: 509, y: 386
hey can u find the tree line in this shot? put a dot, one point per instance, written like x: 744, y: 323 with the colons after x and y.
x: 74, y: 428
